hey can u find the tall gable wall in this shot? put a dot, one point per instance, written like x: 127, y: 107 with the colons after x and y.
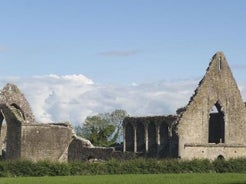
x: 217, y: 86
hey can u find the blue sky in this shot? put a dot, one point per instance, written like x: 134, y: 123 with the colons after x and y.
x: 120, y: 41
x: 149, y: 45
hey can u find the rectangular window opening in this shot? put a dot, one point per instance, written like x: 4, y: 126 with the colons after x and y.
x: 219, y: 63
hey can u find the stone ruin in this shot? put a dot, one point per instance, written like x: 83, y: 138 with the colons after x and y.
x: 152, y: 136
x: 211, y: 126
x: 23, y: 138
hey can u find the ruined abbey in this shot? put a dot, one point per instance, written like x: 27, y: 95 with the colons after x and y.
x: 212, y: 125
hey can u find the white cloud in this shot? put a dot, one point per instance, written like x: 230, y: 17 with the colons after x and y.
x: 72, y: 98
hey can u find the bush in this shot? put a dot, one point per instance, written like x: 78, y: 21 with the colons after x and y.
x: 196, y: 166
x: 134, y: 166
x: 3, y: 169
x: 232, y: 165
x: 19, y: 168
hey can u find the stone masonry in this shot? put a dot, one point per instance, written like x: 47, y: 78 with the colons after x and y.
x: 213, y: 123
x: 211, y: 126
x: 23, y: 138
x: 150, y: 136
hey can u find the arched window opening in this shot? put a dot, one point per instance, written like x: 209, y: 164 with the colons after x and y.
x: 216, y: 125
x: 10, y: 135
x: 164, y: 140
x: 152, y: 139
x: 140, y: 137
x: 129, y: 136
x: 19, y: 110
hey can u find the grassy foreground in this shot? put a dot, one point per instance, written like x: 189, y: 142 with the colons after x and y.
x: 225, y: 178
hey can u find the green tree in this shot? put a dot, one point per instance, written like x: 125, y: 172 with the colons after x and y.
x: 103, y: 129
x: 117, y: 117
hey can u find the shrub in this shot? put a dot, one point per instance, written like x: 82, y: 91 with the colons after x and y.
x: 134, y: 166
x: 232, y: 165
x: 3, y: 169
x: 20, y: 168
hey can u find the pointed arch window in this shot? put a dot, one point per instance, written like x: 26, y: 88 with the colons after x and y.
x: 216, y: 125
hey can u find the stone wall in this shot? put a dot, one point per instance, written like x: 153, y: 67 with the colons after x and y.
x: 45, y: 141
x: 214, y: 151
x: 26, y: 139
x: 152, y: 136
x: 197, y: 130
x: 80, y: 151
x: 15, y: 110
x: 217, y: 88
x: 77, y: 151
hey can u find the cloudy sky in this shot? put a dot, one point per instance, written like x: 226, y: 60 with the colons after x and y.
x: 74, y: 58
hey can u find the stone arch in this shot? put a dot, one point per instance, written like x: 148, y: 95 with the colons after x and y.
x: 216, y: 127
x: 12, y: 96
x: 12, y: 135
x: 220, y: 157
x: 129, y: 136
x: 21, y: 112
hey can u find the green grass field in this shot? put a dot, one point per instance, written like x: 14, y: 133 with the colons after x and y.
x: 139, y: 178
